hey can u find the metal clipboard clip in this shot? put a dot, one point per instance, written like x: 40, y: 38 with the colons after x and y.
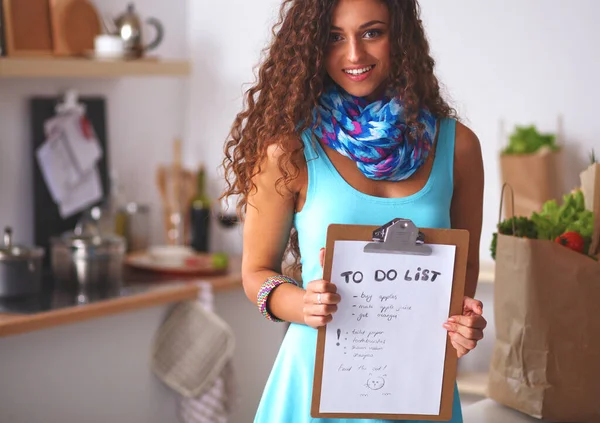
x: 399, y: 236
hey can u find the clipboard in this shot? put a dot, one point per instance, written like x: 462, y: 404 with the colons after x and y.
x: 399, y: 236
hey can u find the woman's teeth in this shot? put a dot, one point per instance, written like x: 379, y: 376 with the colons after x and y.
x: 359, y: 71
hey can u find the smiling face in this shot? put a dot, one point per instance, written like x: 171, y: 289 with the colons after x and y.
x: 358, y: 54
x: 375, y: 383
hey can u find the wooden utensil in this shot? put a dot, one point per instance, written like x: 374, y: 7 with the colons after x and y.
x: 176, y: 187
x: 75, y: 25
x: 28, y: 29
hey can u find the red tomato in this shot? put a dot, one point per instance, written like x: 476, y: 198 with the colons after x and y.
x: 572, y: 240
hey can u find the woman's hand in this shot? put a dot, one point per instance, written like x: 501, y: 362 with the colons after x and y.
x: 467, y: 329
x: 320, y: 300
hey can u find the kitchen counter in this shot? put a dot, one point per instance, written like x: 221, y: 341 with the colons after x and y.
x: 92, y: 362
x: 489, y: 411
x: 139, y: 290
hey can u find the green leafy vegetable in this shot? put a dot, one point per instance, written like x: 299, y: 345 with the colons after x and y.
x: 527, y: 140
x: 551, y: 222
x: 523, y: 227
x: 555, y: 220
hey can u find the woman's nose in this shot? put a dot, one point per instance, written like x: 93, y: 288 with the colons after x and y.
x: 355, y: 51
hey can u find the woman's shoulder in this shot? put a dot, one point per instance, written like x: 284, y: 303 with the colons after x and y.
x: 285, y: 159
x: 466, y: 144
x: 468, y: 160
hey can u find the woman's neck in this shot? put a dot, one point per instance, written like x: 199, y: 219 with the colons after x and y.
x: 378, y: 94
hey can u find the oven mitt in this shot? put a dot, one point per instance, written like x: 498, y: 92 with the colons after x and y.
x: 191, y: 348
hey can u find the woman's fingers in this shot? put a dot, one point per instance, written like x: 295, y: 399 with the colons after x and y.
x: 471, y: 304
x: 318, y: 321
x: 469, y: 327
x: 460, y: 349
x: 461, y: 341
x: 321, y: 298
x: 319, y: 309
x: 321, y: 286
x: 320, y: 303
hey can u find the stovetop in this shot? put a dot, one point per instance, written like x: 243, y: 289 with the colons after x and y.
x: 52, y: 298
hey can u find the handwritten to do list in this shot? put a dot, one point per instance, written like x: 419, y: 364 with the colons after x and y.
x: 385, y: 348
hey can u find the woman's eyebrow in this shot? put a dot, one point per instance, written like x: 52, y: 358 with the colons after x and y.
x: 363, y: 26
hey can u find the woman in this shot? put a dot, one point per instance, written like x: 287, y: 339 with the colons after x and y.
x: 345, y: 125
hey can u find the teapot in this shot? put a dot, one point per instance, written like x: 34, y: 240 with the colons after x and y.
x: 129, y: 28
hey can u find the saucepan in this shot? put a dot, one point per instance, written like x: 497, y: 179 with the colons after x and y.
x: 20, y: 268
x: 86, y: 257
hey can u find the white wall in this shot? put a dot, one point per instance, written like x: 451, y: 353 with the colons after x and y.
x: 225, y: 41
x: 518, y: 61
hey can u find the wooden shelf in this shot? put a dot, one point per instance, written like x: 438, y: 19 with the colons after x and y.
x: 52, y: 67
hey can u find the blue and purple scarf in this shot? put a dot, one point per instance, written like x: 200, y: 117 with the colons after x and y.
x: 374, y: 135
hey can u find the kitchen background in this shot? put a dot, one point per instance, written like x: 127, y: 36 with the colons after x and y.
x: 510, y: 61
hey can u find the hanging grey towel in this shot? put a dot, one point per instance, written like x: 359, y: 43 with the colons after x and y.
x: 191, y: 349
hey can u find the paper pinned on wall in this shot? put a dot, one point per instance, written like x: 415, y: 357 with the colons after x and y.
x: 386, y: 345
x: 87, y: 192
x: 79, y: 137
x: 68, y: 162
x: 57, y: 167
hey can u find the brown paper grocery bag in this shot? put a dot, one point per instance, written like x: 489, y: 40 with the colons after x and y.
x: 590, y: 185
x: 535, y: 179
x: 546, y: 358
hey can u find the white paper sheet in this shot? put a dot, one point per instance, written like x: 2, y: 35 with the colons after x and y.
x: 385, y: 348
x: 68, y: 161
x: 83, y: 146
x: 87, y: 192
x: 57, y: 167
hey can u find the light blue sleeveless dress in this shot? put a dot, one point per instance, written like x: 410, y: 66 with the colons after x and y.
x: 288, y: 392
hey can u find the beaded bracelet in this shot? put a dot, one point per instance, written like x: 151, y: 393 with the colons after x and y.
x: 267, y: 287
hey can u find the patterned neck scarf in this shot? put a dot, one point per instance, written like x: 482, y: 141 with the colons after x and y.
x: 374, y: 135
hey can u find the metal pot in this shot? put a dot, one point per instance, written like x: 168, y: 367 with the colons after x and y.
x: 20, y: 268
x: 86, y: 258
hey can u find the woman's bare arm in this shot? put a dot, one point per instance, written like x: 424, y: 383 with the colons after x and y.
x: 467, y: 201
x: 269, y: 218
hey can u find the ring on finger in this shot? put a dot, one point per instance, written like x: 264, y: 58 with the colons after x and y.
x: 319, y: 298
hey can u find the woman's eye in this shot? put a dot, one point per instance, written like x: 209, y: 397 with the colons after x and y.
x: 372, y: 33
x: 335, y: 38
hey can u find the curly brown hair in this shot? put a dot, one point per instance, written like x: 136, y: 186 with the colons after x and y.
x: 279, y: 106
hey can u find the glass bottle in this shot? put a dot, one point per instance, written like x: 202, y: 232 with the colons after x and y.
x: 200, y: 215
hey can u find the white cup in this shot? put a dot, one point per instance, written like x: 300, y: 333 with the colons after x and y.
x: 109, y: 46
